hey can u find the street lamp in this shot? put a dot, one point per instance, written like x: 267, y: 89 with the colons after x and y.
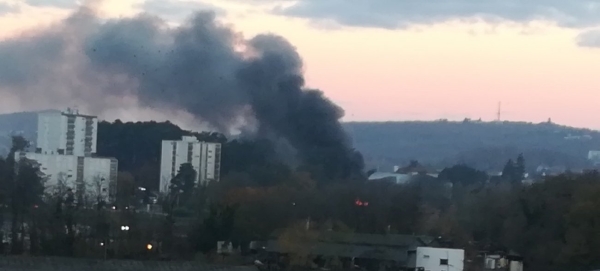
x: 149, y: 246
x: 103, y: 245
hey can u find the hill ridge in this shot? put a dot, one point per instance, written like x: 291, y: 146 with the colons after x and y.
x: 439, y: 143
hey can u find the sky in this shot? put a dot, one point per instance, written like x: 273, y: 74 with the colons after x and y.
x: 388, y: 60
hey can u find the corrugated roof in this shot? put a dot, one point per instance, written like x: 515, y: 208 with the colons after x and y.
x: 344, y: 250
x: 396, y: 177
x: 393, y: 247
x: 390, y: 240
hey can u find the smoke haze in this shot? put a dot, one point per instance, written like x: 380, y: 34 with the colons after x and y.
x: 201, y: 67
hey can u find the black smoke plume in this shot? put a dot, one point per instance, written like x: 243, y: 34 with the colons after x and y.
x: 201, y: 66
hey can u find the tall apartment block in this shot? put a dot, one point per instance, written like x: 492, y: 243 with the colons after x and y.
x: 66, y: 133
x: 65, y: 152
x: 204, y: 157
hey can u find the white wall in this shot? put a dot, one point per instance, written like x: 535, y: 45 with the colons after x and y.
x: 79, y: 136
x: 94, y: 134
x: 52, y: 132
x: 55, y: 167
x: 165, y: 166
x: 431, y: 259
x: 96, y: 174
x: 594, y: 155
x: 211, y: 163
x: 516, y: 266
x: 64, y: 168
x: 204, y: 157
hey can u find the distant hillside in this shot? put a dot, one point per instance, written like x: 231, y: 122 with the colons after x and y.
x: 23, y: 123
x: 485, y: 145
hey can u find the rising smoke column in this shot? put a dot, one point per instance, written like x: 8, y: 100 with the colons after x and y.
x: 202, y: 67
x: 304, y: 117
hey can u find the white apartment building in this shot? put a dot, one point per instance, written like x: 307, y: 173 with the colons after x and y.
x: 66, y: 133
x: 205, y: 159
x: 65, y: 144
x: 94, y: 175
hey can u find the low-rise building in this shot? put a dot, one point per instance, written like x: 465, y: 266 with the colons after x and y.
x: 502, y: 261
x: 436, y: 259
x: 372, y: 251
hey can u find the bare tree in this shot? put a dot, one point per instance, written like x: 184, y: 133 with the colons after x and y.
x: 61, y: 187
x: 96, y: 191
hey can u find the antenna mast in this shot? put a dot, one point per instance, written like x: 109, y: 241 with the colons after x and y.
x: 499, y: 114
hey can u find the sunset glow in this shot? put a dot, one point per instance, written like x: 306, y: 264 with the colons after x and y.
x: 450, y: 70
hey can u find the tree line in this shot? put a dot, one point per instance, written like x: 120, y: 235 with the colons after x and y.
x: 551, y: 223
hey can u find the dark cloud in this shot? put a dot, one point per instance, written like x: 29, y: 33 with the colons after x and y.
x: 590, y: 38
x: 202, y: 67
x: 394, y: 14
x: 52, y: 3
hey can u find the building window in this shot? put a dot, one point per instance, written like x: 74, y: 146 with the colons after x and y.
x: 443, y: 261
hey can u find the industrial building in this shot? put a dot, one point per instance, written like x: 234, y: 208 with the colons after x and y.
x: 204, y: 157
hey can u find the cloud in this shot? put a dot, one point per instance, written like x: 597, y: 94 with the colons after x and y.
x: 53, y: 3
x: 176, y: 10
x: 398, y: 14
x: 169, y: 10
x: 590, y: 38
x: 6, y: 8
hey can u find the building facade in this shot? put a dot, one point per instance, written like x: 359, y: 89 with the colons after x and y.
x: 204, y: 157
x: 66, y: 133
x: 510, y: 261
x: 436, y: 259
x: 66, y: 143
x: 88, y: 175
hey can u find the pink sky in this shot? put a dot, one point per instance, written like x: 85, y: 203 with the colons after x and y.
x: 446, y: 70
